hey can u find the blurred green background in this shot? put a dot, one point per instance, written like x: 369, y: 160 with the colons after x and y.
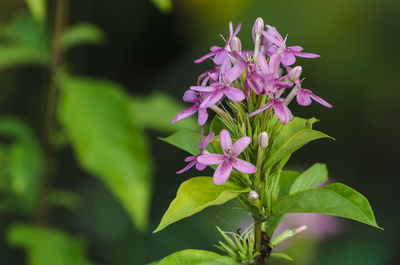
x: 80, y: 195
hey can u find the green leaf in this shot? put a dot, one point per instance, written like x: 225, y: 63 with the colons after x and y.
x: 37, y: 8
x: 157, y: 111
x: 196, y: 257
x: 82, y: 33
x: 16, y: 55
x: 185, y: 140
x: 63, y: 198
x: 196, y: 194
x: 333, y: 199
x: 164, y: 6
x: 23, y: 165
x: 315, y: 175
x: 95, y: 116
x: 217, y: 125
x: 47, y: 246
x: 296, y: 141
x: 288, y: 130
x: 271, y: 224
x: 282, y: 256
x: 286, y: 180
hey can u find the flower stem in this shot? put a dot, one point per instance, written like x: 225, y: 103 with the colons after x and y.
x: 257, y: 234
x: 57, y: 20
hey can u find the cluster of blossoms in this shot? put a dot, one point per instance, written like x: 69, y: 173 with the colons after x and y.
x: 254, y: 82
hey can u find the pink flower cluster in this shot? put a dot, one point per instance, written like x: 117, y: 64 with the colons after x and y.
x: 238, y: 74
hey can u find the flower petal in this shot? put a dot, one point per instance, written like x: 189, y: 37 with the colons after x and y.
x: 296, y: 48
x: 202, y: 116
x: 234, y: 93
x: 274, y: 63
x: 185, y: 113
x: 243, y: 166
x: 203, y: 88
x: 306, y: 55
x: 266, y: 106
x: 190, y: 96
x: 320, y: 100
x: 211, y: 159
x: 190, y: 158
x: 288, y: 58
x: 282, y: 111
x: 212, y: 99
x: 234, y: 72
x: 303, y: 97
x: 208, y: 55
x: 206, y: 141
x: 240, y: 145
x: 220, y: 56
x: 191, y: 164
x: 262, y: 62
x: 222, y: 173
x: 200, y: 166
x: 226, y: 141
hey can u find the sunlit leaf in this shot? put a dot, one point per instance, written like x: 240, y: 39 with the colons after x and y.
x: 315, y: 175
x: 82, y: 33
x: 95, y: 116
x: 23, y: 161
x: 156, y: 112
x: 196, y: 194
x: 196, y: 257
x: 164, y: 6
x: 64, y: 198
x: 293, y: 143
x: 37, y: 8
x: 185, y: 140
x: 282, y: 256
x: 333, y: 199
x: 45, y: 246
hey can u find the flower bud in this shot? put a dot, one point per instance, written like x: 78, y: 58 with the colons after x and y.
x: 299, y: 229
x: 295, y: 73
x: 258, y: 26
x: 253, y: 196
x: 263, y: 140
x: 236, y: 45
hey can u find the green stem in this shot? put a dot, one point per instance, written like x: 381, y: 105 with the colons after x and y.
x: 58, y: 20
x: 257, y: 234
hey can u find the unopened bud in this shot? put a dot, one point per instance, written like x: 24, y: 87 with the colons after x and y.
x: 299, y: 229
x: 253, y: 196
x: 236, y: 45
x: 263, y: 140
x: 258, y: 26
x: 295, y: 73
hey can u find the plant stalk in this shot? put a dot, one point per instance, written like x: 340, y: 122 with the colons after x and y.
x: 58, y: 18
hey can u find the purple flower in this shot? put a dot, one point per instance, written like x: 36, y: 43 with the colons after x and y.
x: 193, y: 159
x: 288, y: 53
x: 304, y: 97
x: 191, y: 97
x: 272, y: 72
x: 221, y: 53
x: 218, y: 89
x: 281, y: 110
x: 229, y: 159
x: 254, y: 81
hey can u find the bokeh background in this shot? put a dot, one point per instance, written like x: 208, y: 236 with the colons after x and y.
x: 149, y: 47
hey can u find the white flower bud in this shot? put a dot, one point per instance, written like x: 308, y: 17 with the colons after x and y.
x: 258, y: 26
x: 253, y: 196
x: 299, y: 229
x: 263, y: 140
x: 236, y: 45
x: 295, y: 73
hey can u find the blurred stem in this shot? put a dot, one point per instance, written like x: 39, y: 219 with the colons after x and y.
x: 257, y: 234
x: 57, y: 21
